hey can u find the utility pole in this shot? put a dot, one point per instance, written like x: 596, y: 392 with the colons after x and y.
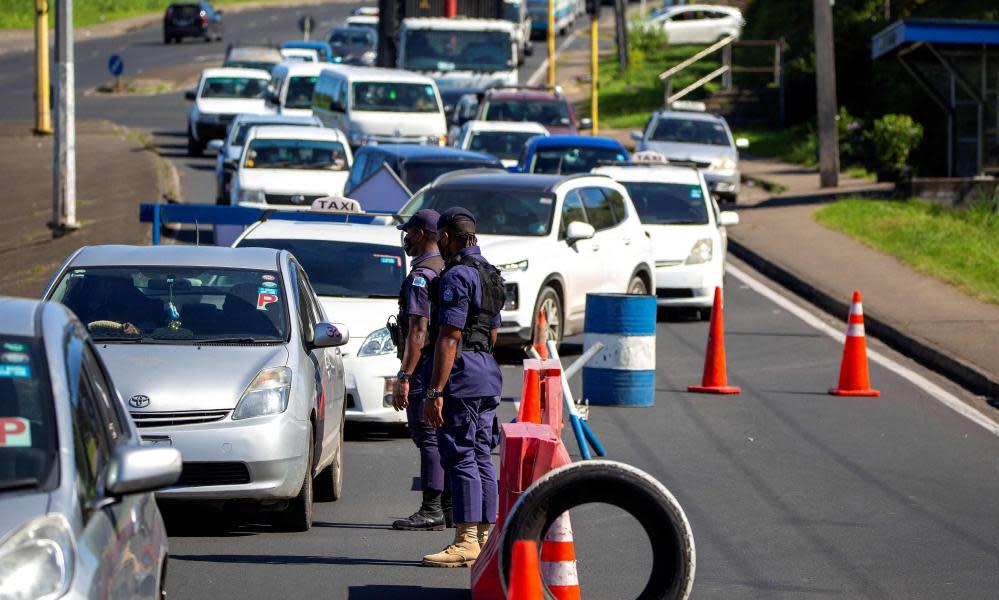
x: 64, y: 153
x: 43, y: 116
x: 551, y: 43
x: 595, y: 71
x: 825, y: 88
x: 621, y: 29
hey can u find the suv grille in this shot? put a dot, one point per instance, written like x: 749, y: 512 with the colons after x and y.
x: 166, y: 419
x: 291, y: 199
x: 700, y: 164
x: 213, y: 473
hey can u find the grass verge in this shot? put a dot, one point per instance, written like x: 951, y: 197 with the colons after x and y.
x: 797, y: 144
x: 20, y: 14
x: 960, y: 247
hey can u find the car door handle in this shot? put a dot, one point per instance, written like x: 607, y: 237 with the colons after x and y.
x: 627, y: 241
x: 595, y: 247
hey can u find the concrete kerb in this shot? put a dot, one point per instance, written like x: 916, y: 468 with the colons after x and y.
x: 968, y: 376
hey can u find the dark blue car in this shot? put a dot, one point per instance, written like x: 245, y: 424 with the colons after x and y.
x: 415, y: 165
x: 568, y: 154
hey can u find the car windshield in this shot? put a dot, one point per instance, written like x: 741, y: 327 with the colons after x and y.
x: 570, y: 159
x: 300, y: 91
x: 416, y: 174
x: 28, y: 449
x: 511, y: 12
x: 497, y: 211
x: 501, y: 144
x: 387, y: 96
x: 295, y: 154
x: 234, y: 87
x: 176, y: 305
x: 690, y: 131
x: 458, y: 50
x: 183, y: 13
x: 668, y: 203
x: 546, y: 112
x: 345, y: 269
x: 351, y: 38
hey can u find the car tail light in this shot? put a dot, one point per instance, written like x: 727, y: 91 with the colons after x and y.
x: 204, y: 19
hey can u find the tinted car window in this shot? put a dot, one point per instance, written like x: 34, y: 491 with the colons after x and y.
x: 416, y: 174
x: 295, y: 154
x: 90, y: 445
x: 598, y: 209
x: 616, y: 201
x: 234, y: 87
x: 300, y: 90
x: 690, y: 131
x: 668, y: 203
x: 569, y: 160
x: 28, y: 451
x: 387, y: 96
x: 546, y: 112
x: 501, y: 144
x: 572, y: 210
x: 104, y: 396
x: 498, y: 211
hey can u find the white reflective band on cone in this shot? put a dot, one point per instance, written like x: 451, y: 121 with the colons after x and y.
x: 857, y: 309
x: 855, y: 330
x: 559, y: 574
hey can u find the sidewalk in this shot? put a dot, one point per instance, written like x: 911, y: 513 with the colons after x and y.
x: 114, y: 174
x: 932, y: 322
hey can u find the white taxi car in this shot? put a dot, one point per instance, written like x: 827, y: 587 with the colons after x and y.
x: 687, y: 229
x: 220, y: 95
x: 503, y: 139
x: 357, y: 271
x: 555, y: 239
x: 289, y: 167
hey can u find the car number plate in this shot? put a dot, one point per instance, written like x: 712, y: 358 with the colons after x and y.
x: 156, y: 440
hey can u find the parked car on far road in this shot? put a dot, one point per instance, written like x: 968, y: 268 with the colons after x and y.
x: 77, y: 514
x: 191, y: 19
x: 697, y: 23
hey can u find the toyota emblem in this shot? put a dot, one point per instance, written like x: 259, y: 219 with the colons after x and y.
x: 138, y: 401
x: 298, y: 199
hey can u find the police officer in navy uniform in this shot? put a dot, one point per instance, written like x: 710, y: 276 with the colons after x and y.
x: 463, y: 391
x: 414, y: 350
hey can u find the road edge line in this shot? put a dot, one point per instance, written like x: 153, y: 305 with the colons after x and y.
x: 941, y: 395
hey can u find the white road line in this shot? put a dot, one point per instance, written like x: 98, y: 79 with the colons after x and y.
x: 543, y: 67
x: 934, y: 390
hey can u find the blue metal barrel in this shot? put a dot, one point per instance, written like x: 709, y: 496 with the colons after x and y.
x: 624, y: 372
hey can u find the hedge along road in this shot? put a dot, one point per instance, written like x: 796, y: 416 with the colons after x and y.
x: 791, y: 493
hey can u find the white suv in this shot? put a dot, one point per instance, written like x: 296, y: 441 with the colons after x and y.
x: 555, y: 239
x: 688, y: 230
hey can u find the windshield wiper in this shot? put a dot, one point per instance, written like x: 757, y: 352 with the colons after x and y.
x: 18, y: 484
x: 232, y: 340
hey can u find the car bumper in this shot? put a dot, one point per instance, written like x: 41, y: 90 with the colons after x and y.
x: 366, y: 381
x: 195, y: 30
x: 687, y: 285
x: 206, y: 132
x: 273, y: 449
x: 722, y: 181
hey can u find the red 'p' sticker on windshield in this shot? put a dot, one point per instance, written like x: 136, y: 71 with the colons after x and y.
x: 264, y: 299
x: 14, y: 432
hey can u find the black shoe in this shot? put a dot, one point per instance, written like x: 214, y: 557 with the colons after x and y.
x: 421, y: 521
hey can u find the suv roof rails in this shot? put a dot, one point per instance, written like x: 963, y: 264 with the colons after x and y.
x: 531, y: 88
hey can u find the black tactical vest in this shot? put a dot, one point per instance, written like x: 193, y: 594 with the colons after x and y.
x: 434, y: 264
x: 475, y: 335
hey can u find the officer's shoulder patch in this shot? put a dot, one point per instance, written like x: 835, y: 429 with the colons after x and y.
x: 420, y: 281
x: 448, y: 294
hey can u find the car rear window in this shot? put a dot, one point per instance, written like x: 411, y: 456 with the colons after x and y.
x: 690, y: 131
x: 668, y: 203
x: 234, y: 87
x: 546, y: 112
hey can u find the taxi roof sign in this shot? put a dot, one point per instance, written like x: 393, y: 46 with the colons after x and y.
x: 336, y: 205
x: 649, y: 157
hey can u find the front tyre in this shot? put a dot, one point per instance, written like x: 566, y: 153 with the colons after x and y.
x: 194, y: 147
x: 637, y: 286
x: 298, y: 515
x: 551, y: 304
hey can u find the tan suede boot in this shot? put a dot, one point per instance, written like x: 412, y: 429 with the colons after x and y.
x: 483, y: 533
x: 462, y: 553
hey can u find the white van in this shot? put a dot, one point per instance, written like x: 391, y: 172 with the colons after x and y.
x: 460, y: 53
x: 290, y: 89
x: 380, y: 105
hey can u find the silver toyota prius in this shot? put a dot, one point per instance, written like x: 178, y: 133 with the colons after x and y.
x: 77, y: 516
x: 226, y: 355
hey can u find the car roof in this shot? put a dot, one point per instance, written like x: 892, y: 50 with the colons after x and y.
x: 297, y: 67
x: 691, y: 115
x: 17, y: 316
x: 180, y: 256
x: 498, y: 179
x: 528, y: 126
x: 378, y: 74
x: 425, y: 152
x: 306, y: 44
x: 651, y: 173
x: 582, y: 141
x: 458, y: 24
x: 361, y: 19
x: 712, y: 7
x: 296, y: 132
x: 363, y: 233
x: 537, y: 95
x: 235, y: 72
x: 244, y: 52
x: 277, y: 119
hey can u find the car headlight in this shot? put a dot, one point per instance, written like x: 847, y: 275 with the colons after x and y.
x: 377, y: 343
x: 368, y: 57
x: 267, y: 394
x: 723, y: 163
x: 513, y: 267
x: 37, y: 560
x: 252, y: 196
x: 700, y: 253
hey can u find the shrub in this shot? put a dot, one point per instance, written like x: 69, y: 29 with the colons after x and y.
x: 852, y: 141
x: 894, y: 137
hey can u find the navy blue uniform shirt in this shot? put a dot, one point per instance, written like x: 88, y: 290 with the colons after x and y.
x: 475, y: 374
x: 416, y: 289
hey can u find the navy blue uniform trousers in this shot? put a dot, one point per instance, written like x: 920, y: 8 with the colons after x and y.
x: 425, y: 438
x: 466, y: 441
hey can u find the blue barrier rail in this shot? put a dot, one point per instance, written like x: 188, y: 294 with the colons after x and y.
x: 213, y: 214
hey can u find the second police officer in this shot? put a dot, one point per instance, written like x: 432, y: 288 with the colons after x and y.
x: 463, y: 390
x: 415, y: 349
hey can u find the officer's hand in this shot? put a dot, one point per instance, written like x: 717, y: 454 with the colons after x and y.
x: 433, y: 414
x: 400, y: 395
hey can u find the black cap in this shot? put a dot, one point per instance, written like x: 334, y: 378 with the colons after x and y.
x: 425, y: 219
x: 458, y: 219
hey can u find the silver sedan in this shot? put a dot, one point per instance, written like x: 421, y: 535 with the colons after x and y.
x: 226, y: 355
x: 77, y: 516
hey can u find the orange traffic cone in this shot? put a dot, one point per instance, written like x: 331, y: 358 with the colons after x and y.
x: 853, y: 377
x: 530, y: 398
x: 525, y: 575
x: 715, y: 380
x: 558, y: 560
x: 541, y: 334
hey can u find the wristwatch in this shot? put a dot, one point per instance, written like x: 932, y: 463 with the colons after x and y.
x: 403, y: 376
x: 433, y: 394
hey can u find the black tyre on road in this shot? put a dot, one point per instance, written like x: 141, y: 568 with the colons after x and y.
x: 549, y: 301
x: 194, y: 147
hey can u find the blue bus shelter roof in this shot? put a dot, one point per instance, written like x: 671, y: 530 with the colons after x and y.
x: 935, y: 31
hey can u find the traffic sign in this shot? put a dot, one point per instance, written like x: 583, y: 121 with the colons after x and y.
x: 116, y: 65
x: 307, y: 25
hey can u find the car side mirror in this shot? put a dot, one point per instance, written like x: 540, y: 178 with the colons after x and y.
x: 215, y: 145
x: 577, y: 230
x: 329, y: 335
x: 728, y: 218
x: 741, y: 143
x: 529, y: 49
x: 190, y: 95
x: 135, y: 469
x: 637, y: 136
x: 273, y: 98
x: 585, y: 123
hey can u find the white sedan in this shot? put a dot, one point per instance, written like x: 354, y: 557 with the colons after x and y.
x: 357, y: 271
x: 687, y: 229
x: 503, y: 139
x: 698, y: 23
